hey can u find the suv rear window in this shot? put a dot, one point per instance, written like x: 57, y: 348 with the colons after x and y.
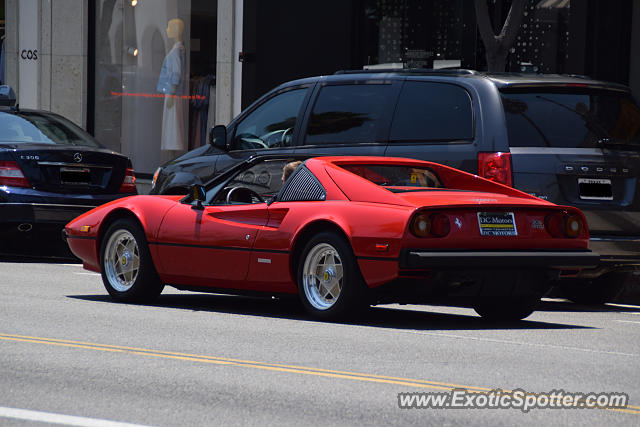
x: 571, y: 120
x: 429, y: 111
x: 347, y: 114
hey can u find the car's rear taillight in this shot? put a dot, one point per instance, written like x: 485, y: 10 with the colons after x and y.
x: 572, y: 226
x: 440, y: 225
x: 129, y: 182
x: 11, y: 175
x: 495, y: 167
x: 434, y: 225
x: 421, y: 225
x: 563, y: 225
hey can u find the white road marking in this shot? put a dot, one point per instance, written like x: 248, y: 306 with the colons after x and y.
x: 628, y: 321
x: 624, y: 306
x: 560, y: 347
x: 52, y: 418
x: 511, y: 342
x: 88, y: 274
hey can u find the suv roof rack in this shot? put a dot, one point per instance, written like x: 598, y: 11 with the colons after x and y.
x: 426, y: 71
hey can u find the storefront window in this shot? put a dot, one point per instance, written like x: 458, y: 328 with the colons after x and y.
x: 414, y: 33
x: 542, y: 45
x: 3, y: 78
x: 442, y: 33
x: 154, y: 77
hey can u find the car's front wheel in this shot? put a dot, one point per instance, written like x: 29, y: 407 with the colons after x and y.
x: 127, y: 269
x: 329, y: 281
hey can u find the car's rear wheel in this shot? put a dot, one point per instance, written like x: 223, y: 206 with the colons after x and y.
x: 596, y: 291
x: 507, y: 308
x: 329, y: 281
x: 128, y: 272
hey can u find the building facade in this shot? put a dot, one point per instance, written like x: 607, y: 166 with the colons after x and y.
x: 149, y: 77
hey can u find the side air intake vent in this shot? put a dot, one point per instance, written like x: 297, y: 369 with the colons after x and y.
x: 303, y: 187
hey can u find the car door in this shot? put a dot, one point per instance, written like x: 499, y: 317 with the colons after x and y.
x: 268, y: 127
x: 210, y: 246
x: 349, y: 118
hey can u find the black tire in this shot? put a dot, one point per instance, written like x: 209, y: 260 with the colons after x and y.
x: 350, y: 299
x: 507, y: 308
x: 596, y: 291
x: 125, y: 279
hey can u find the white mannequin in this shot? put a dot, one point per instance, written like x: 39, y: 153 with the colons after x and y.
x: 171, y: 83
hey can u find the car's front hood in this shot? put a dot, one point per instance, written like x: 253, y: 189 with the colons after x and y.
x: 149, y: 210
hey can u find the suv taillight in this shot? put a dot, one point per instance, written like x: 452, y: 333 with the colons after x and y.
x: 129, y: 182
x: 11, y: 175
x: 495, y: 167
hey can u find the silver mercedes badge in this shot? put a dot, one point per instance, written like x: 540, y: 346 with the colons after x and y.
x: 77, y: 157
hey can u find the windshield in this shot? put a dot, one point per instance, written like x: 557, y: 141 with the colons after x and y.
x: 41, y: 128
x: 585, y: 119
x: 258, y: 183
x: 398, y: 177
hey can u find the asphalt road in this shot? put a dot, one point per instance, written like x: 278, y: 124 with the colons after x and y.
x: 69, y: 355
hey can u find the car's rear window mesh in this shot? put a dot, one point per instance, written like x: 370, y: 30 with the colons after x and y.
x: 303, y: 186
x: 397, y: 176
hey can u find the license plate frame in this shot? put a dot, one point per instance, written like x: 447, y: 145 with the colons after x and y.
x: 497, y: 224
x: 595, y: 189
x: 75, y: 176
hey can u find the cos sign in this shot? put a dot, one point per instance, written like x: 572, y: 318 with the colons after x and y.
x: 29, y: 54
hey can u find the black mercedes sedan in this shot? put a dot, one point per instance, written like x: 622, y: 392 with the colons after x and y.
x: 51, y: 171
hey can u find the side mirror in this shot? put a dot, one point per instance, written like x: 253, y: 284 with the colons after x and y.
x: 7, y: 95
x: 218, y: 137
x: 198, y: 194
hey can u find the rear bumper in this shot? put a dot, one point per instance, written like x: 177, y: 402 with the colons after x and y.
x: 34, y: 228
x: 617, y: 250
x: 40, y: 212
x: 462, y: 260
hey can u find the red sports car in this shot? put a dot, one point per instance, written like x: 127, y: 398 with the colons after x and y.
x: 342, y: 233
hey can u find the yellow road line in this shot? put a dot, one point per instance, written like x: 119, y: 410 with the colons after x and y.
x: 297, y: 369
x: 220, y: 360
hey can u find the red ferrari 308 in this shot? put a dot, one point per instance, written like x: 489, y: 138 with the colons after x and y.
x: 341, y: 232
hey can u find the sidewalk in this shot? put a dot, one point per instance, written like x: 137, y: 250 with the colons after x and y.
x: 143, y: 185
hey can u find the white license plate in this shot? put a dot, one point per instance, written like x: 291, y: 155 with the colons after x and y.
x: 497, y: 224
x: 595, y: 189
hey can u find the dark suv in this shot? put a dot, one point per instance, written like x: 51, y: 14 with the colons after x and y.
x: 567, y: 139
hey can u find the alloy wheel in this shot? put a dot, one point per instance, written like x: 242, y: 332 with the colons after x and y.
x: 322, y: 276
x: 122, y: 260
